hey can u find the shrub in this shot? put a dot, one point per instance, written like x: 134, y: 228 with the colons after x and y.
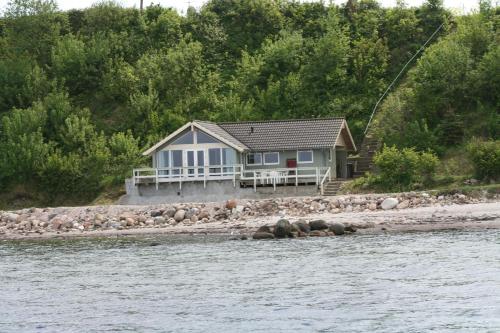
x: 485, y: 156
x: 403, y: 169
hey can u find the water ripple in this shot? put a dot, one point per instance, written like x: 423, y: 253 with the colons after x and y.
x: 409, y: 282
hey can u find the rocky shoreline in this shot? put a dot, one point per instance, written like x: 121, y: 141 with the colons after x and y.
x: 242, y: 218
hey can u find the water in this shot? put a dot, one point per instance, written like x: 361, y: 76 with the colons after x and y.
x: 413, y: 282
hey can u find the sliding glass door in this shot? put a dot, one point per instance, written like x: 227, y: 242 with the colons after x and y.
x: 194, y: 163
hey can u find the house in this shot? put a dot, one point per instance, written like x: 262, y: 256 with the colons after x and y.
x: 238, y: 157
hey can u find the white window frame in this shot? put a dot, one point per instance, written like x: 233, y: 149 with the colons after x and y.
x: 246, y: 159
x: 270, y: 152
x: 305, y: 162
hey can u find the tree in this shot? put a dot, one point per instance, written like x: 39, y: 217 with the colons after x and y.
x: 32, y: 27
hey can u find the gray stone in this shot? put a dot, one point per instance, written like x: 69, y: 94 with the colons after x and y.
x: 159, y: 220
x: 11, y: 217
x: 170, y: 212
x: 179, y: 215
x: 282, y: 229
x: 389, y: 203
x: 302, y: 226
x: 263, y: 235
x: 318, y: 225
x: 337, y: 228
x: 265, y: 228
x: 155, y: 213
x: 318, y: 233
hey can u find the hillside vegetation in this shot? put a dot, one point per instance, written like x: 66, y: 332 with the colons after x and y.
x: 83, y: 92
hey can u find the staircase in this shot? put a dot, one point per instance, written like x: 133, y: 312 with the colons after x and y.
x: 369, y: 147
x: 333, y: 186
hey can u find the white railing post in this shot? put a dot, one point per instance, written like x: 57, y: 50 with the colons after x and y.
x: 156, y: 178
x: 254, y: 181
x: 234, y: 176
x: 296, y: 177
x: 205, y: 176
x: 317, y: 176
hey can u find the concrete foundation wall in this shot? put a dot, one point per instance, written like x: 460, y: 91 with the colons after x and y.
x: 147, y: 194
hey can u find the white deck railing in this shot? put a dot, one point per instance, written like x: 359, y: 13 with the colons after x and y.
x: 187, y: 174
x: 274, y: 177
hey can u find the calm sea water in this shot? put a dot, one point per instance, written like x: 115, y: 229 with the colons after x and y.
x: 409, y: 282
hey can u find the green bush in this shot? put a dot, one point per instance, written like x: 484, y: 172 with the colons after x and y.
x: 485, y: 156
x: 403, y: 169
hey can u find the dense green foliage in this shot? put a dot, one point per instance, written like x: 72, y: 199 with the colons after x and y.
x: 84, y: 91
x: 401, y: 169
x: 453, y: 92
x: 485, y: 156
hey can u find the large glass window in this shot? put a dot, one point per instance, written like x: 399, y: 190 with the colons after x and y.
x: 271, y: 158
x: 202, y: 137
x: 228, y: 158
x: 177, y: 162
x: 214, y: 158
x: 304, y: 156
x: 163, y: 162
x: 185, y: 139
x: 201, y: 161
x: 254, y: 159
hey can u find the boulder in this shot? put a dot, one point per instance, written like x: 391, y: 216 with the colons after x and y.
x: 389, y: 203
x: 204, y: 214
x: 11, y: 217
x: 372, y: 206
x: 179, y: 215
x: 302, y: 226
x: 130, y: 221
x: 159, y: 220
x: 265, y: 228
x: 350, y: 228
x: 194, y: 219
x: 263, y: 235
x: 68, y: 224
x: 318, y: 233
x: 155, y: 213
x: 318, y: 225
x: 337, y: 228
x: 403, y: 204
x: 190, y: 213
x: 282, y: 229
x: 301, y: 234
x: 170, y: 212
x: 231, y: 204
x: 56, y: 223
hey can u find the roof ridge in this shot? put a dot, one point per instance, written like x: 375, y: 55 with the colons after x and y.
x: 278, y: 120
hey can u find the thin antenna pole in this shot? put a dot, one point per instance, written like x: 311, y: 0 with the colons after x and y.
x: 399, y: 74
x: 141, y: 5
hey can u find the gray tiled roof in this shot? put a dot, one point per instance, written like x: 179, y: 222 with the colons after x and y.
x: 216, y: 129
x: 284, y: 134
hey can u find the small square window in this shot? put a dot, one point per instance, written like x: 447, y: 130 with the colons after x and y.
x: 254, y: 159
x: 304, y: 156
x: 271, y: 158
